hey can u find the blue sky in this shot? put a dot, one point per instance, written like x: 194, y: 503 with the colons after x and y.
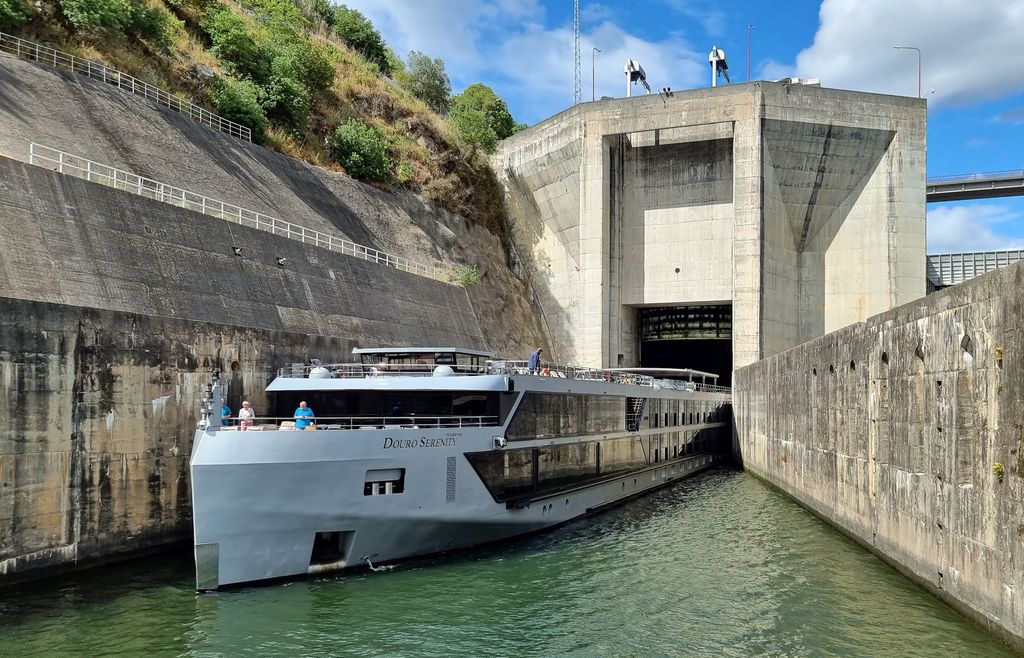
x: 972, y: 52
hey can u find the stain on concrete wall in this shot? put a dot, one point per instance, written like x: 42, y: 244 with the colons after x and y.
x: 907, y: 432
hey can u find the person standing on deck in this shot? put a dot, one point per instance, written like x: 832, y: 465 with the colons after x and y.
x: 225, y: 413
x: 534, y: 363
x: 304, y: 416
x: 246, y: 416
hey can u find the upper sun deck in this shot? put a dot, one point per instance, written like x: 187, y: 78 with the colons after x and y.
x: 379, y: 368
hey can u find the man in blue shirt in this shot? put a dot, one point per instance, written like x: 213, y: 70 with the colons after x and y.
x: 534, y: 363
x: 303, y: 416
x: 225, y: 412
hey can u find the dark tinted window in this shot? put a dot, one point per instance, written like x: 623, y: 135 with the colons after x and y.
x: 550, y: 415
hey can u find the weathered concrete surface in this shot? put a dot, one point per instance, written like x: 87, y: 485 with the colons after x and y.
x: 801, y: 206
x: 97, y: 411
x: 907, y: 433
x: 69, y: 241
x: 93, y: 120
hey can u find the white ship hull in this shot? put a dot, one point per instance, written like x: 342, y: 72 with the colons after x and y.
x: 257, y: 519
x: 281, y: 503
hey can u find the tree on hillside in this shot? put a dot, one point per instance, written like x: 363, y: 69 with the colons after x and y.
x: 481, y: 117
x: 481, y: 97
x: 12, y: 13
x: 360, y: 34
x: 426, y: 79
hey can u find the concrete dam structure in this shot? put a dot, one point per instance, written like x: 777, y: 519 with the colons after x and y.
x: 907, y: 433
x: 116, y: 310
x: 713, y: 227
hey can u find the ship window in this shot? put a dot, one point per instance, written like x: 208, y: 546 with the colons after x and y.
x: 385, y: 481
x: 550, y: 415
x: 521, y: 473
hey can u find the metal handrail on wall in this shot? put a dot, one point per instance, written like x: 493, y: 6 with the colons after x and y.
x: 30, y: 50
x: 72, y: 165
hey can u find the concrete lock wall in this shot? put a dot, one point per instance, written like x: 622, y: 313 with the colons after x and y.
x: 801, y: 206
x: 97, y: 413
x: 907, y: 433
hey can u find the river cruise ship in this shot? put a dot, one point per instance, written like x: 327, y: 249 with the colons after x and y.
x: 414, y: 451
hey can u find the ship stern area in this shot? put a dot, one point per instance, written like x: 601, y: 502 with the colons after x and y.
x: 276, y: 504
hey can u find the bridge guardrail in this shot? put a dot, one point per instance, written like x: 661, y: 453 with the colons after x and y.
x: 30, y: 50
x: 96, y: 172
x: 983, y: 176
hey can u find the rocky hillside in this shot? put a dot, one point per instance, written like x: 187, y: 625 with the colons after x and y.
x: 311, y: 79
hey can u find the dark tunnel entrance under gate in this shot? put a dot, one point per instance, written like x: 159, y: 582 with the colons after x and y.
x: 696, y: 337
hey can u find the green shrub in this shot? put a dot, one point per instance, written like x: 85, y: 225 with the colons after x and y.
x: 13, y: 13
x: 467, y: 275
x: 318, y: 12
x: 108, y: 15
x: 472, y: 127
x: 306, y: 63
x: 285, y: 12
x: 240, y: 101
x: 235, y: 46
x: 359, y: 33
x: 426, y: 79
x: 405, y: 172
x: 361, y: 150
x: 152, y: 23
x: 287, y: 103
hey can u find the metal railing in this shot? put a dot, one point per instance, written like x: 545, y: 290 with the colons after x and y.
x: 494, y: 367
x: 72, y: 165
x: 36, y: 52
x: 270, y: 423
x: 981, y: 176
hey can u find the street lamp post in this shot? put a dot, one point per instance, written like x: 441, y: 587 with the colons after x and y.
x: 593, y: 57
x: 918, y: 65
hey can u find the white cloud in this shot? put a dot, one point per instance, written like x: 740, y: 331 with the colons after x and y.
x: 972, y: 51
x: 508, y: 45
x: 972, y: 228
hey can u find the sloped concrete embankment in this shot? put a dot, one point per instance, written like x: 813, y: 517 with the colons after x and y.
x: 90, y: 119
x: 907, y: 433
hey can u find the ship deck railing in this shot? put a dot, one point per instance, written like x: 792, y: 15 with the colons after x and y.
x: 287, y: 423
x: 497, y: 367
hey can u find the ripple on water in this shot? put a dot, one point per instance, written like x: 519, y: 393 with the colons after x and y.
x: 719, y: 565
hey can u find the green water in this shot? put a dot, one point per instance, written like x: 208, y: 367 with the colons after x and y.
x: 719, y: 565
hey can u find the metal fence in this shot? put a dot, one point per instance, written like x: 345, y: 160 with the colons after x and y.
x: 1012, y: 173
x: 36, y: 52
x: 65, y: 163
x: 950, y: 269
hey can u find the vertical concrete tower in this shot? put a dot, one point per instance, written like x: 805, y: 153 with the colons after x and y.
x: 713, y: 227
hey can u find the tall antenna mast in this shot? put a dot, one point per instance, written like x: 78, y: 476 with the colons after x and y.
x: 576, y: 94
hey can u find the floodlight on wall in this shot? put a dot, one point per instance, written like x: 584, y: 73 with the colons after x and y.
x: 635, y: 73
x: 719, y: 66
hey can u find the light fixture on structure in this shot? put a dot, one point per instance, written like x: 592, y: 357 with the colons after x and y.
x: 718, y: 65
x: 635, y: 73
